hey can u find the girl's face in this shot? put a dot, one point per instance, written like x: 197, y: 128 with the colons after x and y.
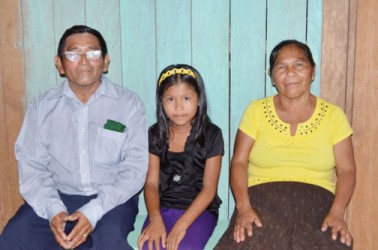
x: 180, y: 104
x: 292, y: 73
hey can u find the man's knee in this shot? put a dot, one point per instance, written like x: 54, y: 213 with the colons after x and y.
x: 24, y: 229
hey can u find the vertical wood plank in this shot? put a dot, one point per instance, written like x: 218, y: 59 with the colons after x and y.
x: 351, y: 63
x: 139, y: 56
x: 38, y: 28
x: 314, y: 39
x: 247, y: 61
x: 12, y: 104
x: 173, y: 32
x: 286, y: 20
x: 104, y: 16
x: 363, y: 208
x: 335, y: 51
x: 211, y: 57
x: 139, y: 51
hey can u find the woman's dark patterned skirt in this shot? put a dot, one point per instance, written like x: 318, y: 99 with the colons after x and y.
x: 291, y: 213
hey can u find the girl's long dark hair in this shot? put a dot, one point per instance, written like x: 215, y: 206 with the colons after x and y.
x: 201, y: 120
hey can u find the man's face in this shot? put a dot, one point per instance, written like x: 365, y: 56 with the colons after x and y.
x: 83, y: 73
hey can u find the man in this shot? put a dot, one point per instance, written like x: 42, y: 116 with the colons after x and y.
x: 82, y: 156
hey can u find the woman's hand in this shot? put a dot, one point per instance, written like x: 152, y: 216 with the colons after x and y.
x: 153, y: 233
x: 244, y: 222
x: 337, y: 225
x: 345, y: 183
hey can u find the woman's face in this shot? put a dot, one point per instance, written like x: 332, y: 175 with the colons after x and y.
x: 292, y: 72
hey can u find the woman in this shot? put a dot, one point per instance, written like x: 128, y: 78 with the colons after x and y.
x: 287, y: 148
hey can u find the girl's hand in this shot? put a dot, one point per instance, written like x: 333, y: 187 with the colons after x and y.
x: 153, y: 233
x: 175, y: 236
x: 244, y: 221
x: 337, y: 225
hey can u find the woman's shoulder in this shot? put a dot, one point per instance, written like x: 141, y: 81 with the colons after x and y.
x: 260, y: 104
x: 328, y: 107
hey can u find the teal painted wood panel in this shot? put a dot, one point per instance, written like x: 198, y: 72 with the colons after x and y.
x: 173, y: 33
x: 314, y: 38
x: 210, y: 41
x: 139, y: 57
x: 38, y: 28
x: 138, y: 42
x: 248, y: 43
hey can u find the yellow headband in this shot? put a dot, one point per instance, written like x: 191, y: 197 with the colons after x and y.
x: 176, y: 71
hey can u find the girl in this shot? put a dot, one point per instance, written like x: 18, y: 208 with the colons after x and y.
x: 185, y: 156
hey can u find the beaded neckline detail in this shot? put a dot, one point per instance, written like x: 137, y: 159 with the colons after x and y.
x: 303, y: 129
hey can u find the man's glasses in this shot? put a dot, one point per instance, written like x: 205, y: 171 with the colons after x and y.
x: 75, y: 56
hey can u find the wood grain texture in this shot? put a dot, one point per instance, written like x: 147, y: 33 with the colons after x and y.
x: 335, y: 51
x: 363, y: 208
x: 349, y: 74
x: 12, y: 105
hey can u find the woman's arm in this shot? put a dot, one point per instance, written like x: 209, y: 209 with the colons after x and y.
x: 345, y: 184
x: 199, y: 204
x: 246, y: 216
x: 156, y: 229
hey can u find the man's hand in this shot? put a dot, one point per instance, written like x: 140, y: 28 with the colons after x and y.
x: 58, y: 223
x: 81, y: 231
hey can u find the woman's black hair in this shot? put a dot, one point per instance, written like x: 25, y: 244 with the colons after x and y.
x: 201, y: 119
x: 79, y: 29
x: 276, y: 51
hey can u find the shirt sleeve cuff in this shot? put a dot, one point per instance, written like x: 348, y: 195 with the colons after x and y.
x: 93, y: 211
x: 54, y: 209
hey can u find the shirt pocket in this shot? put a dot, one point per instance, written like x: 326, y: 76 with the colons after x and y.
x: 108, y: 147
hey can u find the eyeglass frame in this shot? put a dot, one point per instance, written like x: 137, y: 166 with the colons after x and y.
x: 91, y: 55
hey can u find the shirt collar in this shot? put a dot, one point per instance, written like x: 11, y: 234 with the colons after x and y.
x: 106, y: 88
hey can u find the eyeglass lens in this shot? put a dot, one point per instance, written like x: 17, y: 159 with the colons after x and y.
x: 75, y: 56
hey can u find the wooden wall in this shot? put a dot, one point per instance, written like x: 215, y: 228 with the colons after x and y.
x: 349, y: 78
x: 233, y: 70
x: 12, y: 95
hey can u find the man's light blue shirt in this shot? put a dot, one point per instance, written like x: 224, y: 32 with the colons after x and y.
x: 63, y: 146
